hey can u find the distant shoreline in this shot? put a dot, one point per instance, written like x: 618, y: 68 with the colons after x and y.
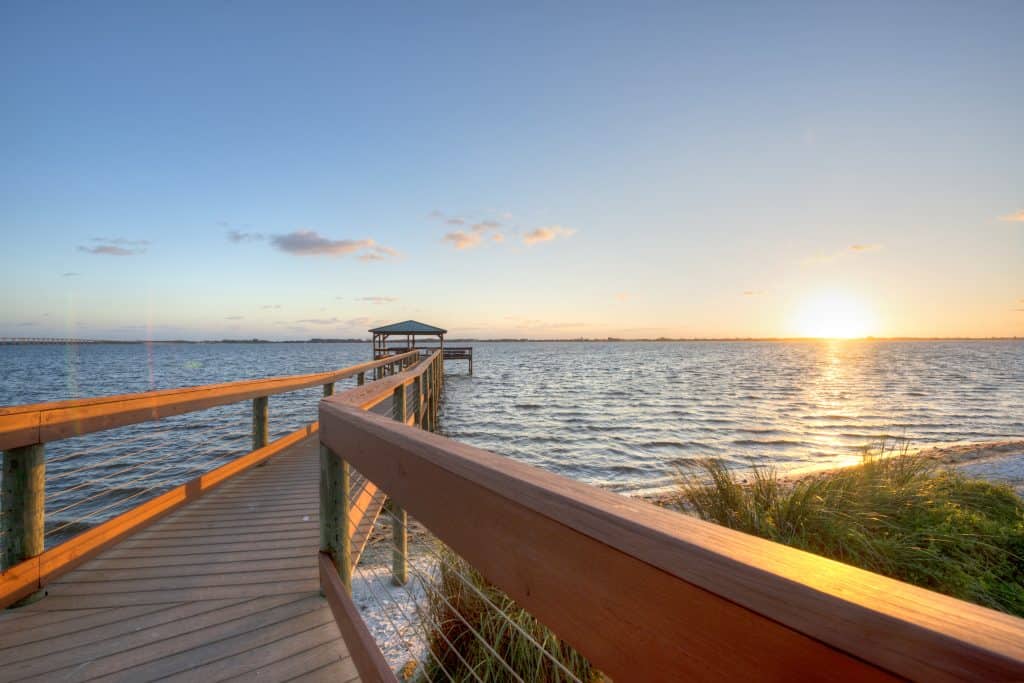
x: 590, y: 340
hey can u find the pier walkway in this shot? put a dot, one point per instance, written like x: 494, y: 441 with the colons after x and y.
x: 263, y: 568
x: 223, y: 588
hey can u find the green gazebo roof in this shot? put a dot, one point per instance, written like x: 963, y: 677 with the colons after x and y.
x: 408, y: 327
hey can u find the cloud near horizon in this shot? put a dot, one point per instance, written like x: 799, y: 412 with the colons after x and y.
x: 311, y: 243
x: 1017, y: 217
x: 378, y: 299
x: 115, y: 246
x: 474, y: 236
x: 828, y: 257
x: 547, y: 234
x: 461, y: 239
x: 753, y: 292
x: 237, y: 236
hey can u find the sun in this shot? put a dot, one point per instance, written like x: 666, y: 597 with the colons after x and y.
x: 833, y: 315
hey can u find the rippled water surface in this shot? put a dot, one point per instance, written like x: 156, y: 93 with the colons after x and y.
x: 621, y: 415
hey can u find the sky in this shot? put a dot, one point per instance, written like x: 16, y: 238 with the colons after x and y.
x: 553, y: 170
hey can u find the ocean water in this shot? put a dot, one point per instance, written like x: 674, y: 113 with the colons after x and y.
x: 621, y: 415
x: 628, y: 415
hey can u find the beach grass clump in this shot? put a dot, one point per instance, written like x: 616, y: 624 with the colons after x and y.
x: 476, y: 632
x: 896, y: 514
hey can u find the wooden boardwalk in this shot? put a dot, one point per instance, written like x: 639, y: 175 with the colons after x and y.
x: 223, y: 588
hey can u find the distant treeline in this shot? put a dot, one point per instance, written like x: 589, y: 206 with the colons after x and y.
x: 318, y: 340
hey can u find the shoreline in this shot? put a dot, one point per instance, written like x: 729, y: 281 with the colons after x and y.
x: 1000, y: 462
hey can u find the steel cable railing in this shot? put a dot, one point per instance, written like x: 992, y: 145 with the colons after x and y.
x: 435, y: 563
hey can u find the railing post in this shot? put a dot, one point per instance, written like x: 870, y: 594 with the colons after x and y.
x: 417, y: 391
x: 399, y: 527
x: 400, y: 538
x: 259, y: 422
x: 329, y: 389
x: 334, y: 513
x: 24, y: 508
x: 361, y: 379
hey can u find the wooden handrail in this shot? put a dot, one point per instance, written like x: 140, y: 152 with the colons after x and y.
x: 45, y: 422
x: 369, y: 395
x: 36, y: 572
x: 649, y: 594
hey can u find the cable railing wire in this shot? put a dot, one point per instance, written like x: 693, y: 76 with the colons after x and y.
x: 425, y: 581
x: 180, y: 463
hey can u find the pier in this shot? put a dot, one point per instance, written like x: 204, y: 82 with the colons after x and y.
x: 248, y: 569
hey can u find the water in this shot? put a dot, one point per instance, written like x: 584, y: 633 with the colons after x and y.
x: 624, y: 415
x: 620, y: 415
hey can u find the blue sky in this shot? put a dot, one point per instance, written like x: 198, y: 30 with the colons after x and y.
x: 657, y: 169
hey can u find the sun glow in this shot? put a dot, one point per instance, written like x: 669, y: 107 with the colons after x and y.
x: 833, y: 315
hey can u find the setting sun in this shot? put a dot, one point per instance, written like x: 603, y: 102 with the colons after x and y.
x: 833, y: 315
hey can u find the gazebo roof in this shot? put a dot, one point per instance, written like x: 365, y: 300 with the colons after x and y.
x: 408, y: 327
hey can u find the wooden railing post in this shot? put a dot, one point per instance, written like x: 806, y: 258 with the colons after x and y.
x: 417, y: 391
x: 400, y: 538
x: 361, y: 378
x: 24, y: 497
x: 329, y: 389
x: 399, y: 527
x: 260, y: 432
x: 334, y: 513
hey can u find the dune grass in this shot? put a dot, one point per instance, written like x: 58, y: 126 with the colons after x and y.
x: 896, y: 514
x: 469, y: 637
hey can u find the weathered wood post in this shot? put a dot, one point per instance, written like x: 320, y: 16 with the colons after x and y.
x: 334, y: 513
x: 24, y: 504
x: 417, y: 391
x: 329, y: 389
x: 361, y: 379
x: 399, y: 520
x: 259, y: 422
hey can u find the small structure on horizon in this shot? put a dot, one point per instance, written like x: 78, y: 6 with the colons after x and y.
x: 410, y: 330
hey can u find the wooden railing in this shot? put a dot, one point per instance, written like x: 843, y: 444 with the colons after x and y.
x: 24, y: 430
x: 645, y: 593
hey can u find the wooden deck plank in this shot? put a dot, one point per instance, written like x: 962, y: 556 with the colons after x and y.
x: 225, y: 585
x: 301, y: 664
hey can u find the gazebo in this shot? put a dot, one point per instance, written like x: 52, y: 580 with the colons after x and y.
x: 410, y: 329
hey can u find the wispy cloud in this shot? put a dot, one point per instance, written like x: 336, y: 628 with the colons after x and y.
x: 378, y: 253
x: 237, y: 236
x: 235, y: 317
x: 70, y: 274
x: 320, y: 321
x: 546, y: 234
x: 271, y: 307
x: 473, y: 235
x: 753, y: 292
x: 462, y: 240
x: 532, y: 324
x: 115, y: 246
x: 311, y: 243
x: 823, y: 257
x: 1017, y: 217
x: 109, y: 250
x: 378, y: 299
